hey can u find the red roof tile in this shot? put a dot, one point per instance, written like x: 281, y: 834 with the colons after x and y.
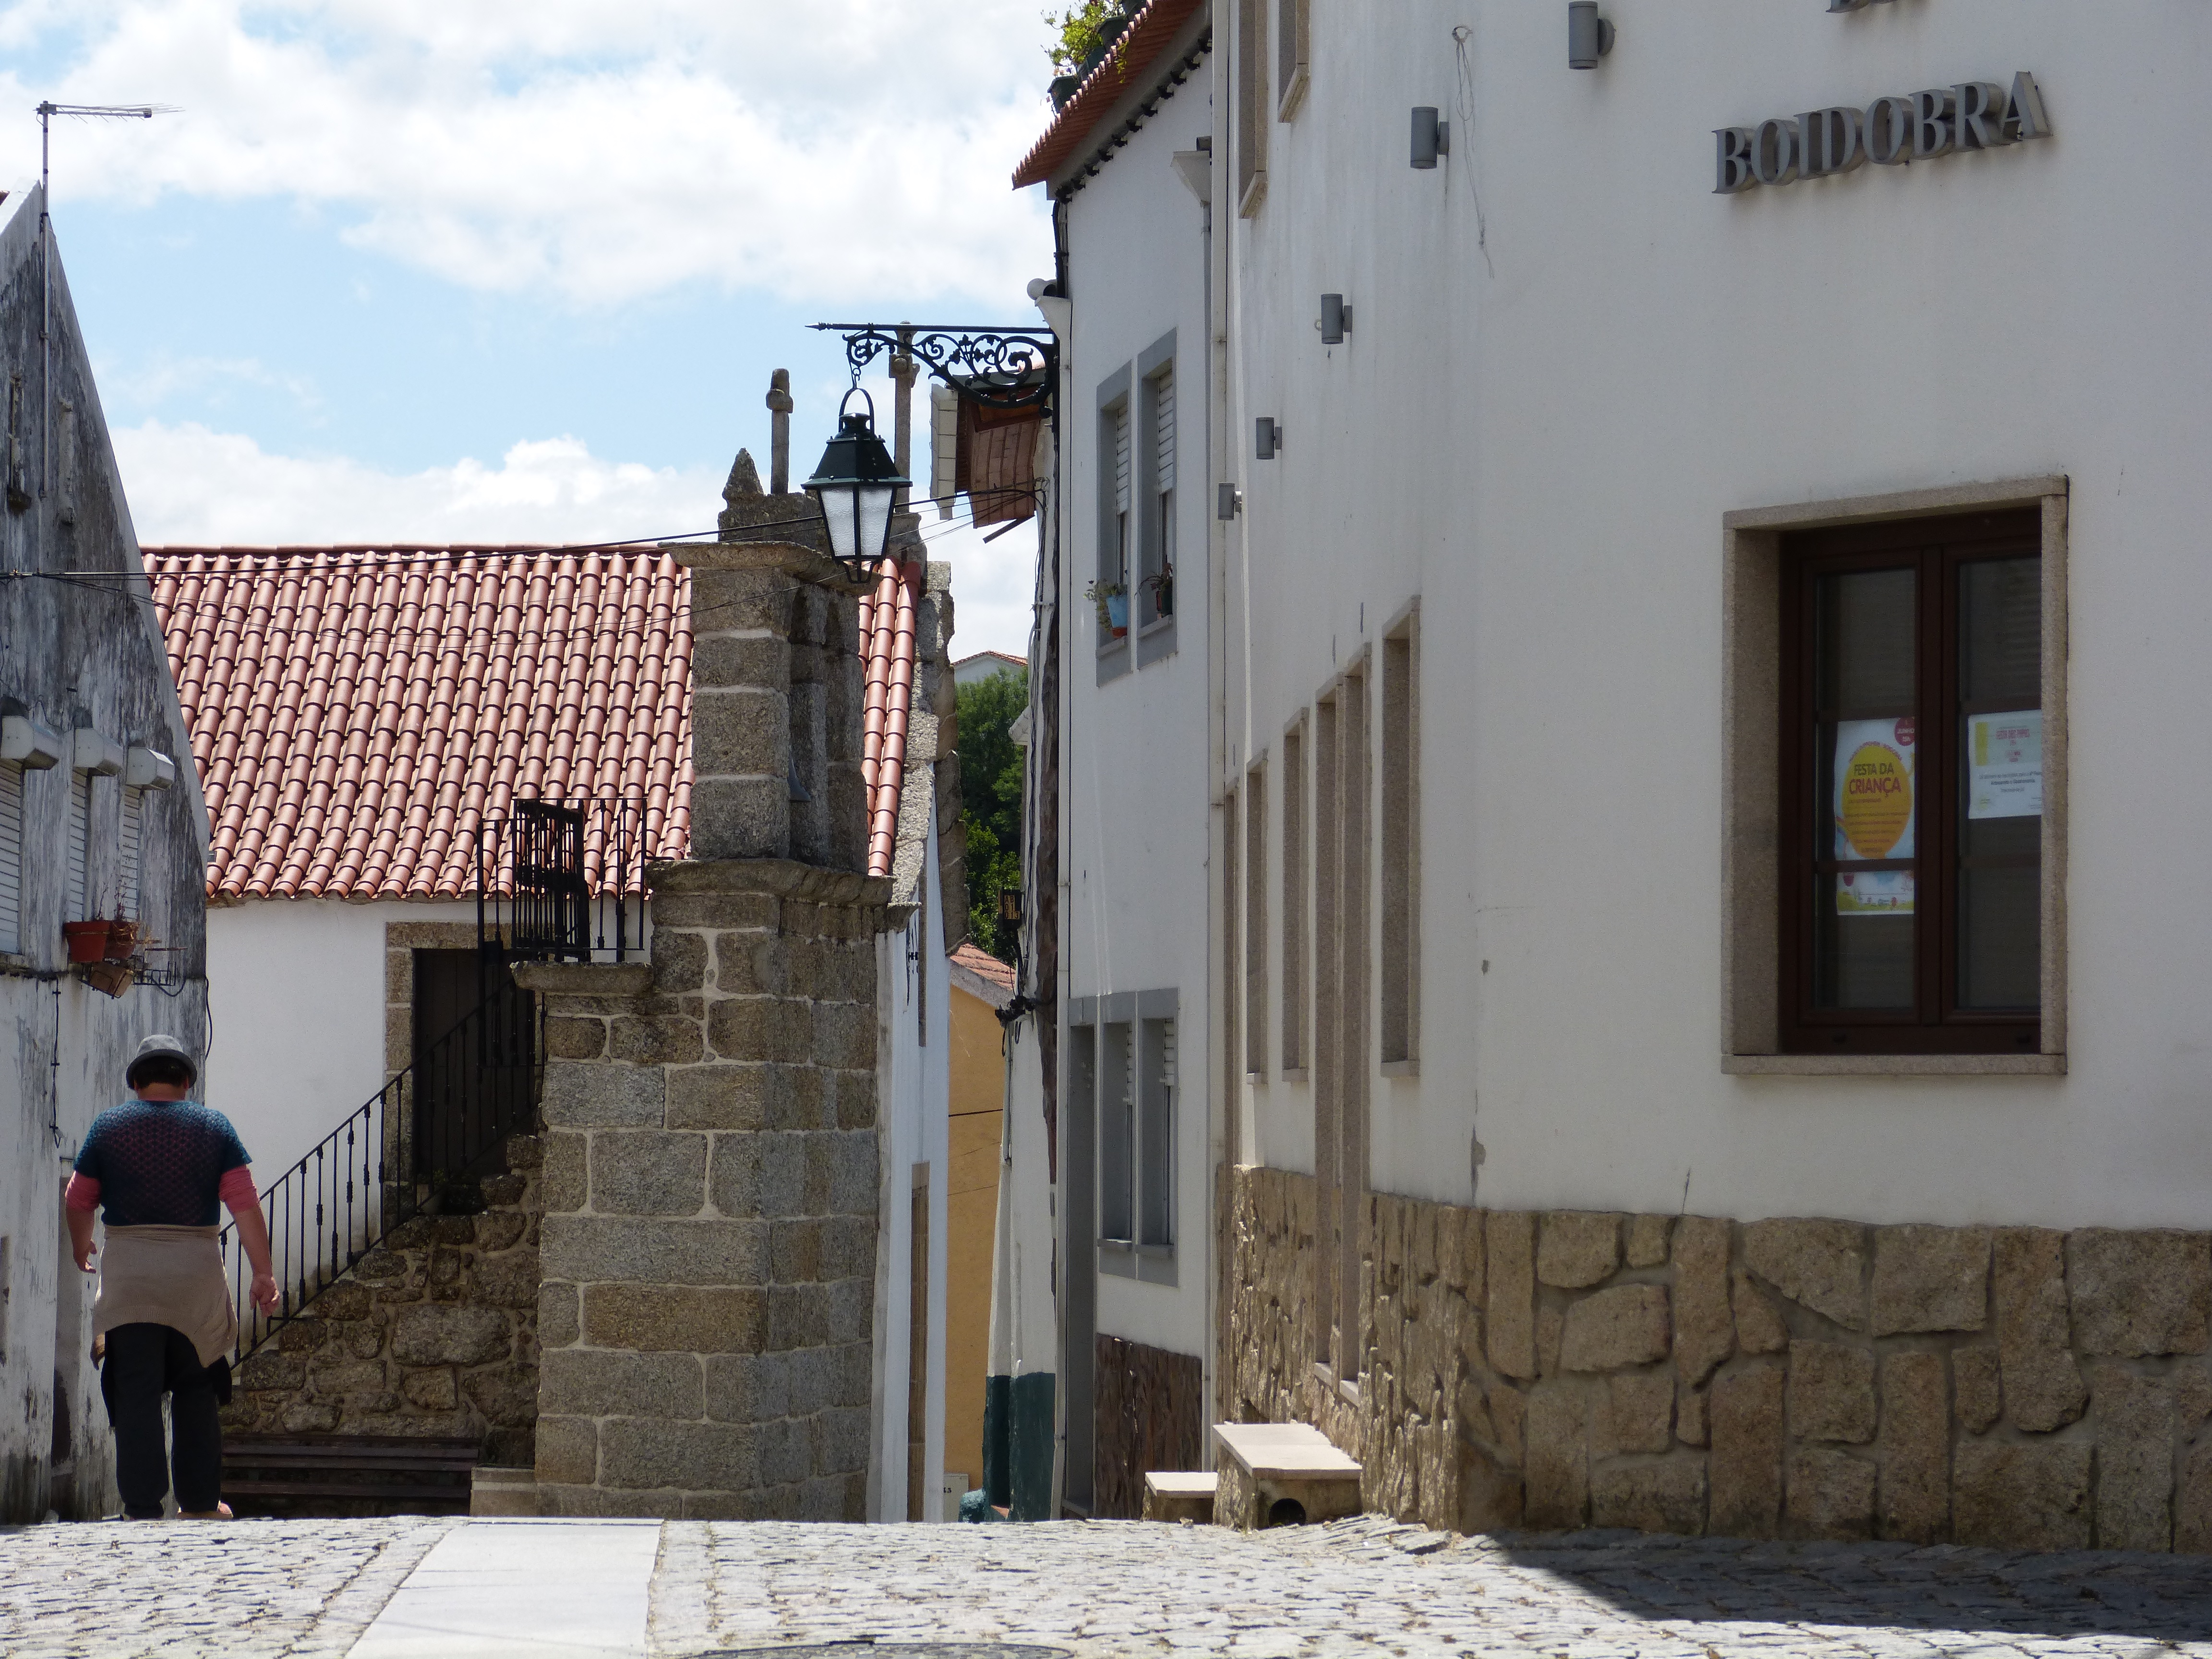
x: 978, y: 961
x: 1133, y: 55
x: 356, y: 712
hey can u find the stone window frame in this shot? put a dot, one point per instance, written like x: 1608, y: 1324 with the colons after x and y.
x: 1751, y: 673
x: 402, y: 939
x: 1150, y: 1264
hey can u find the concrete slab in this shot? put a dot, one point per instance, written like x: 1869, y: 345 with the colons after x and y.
x: 523, y: 1589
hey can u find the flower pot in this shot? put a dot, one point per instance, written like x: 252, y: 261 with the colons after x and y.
x: 88, y: 940
x: 1117, y: 613
x: 112, y: 977
x: 123, y: 940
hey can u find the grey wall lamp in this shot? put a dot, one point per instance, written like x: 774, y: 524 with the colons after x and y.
x: 1335, y: 320
x: 1267, y: 437
x: 1590, y: 37
x: 1431, y: 137
x: 1228, y: 501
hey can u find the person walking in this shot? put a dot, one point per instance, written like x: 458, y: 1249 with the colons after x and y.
x: 157, y: 1167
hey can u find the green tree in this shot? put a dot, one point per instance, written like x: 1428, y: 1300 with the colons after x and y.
x: 1080, y: 31
x: 991, y: 800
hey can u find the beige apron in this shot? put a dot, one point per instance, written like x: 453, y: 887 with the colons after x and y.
x: 169, y: 1276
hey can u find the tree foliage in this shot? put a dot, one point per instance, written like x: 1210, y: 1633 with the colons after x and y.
x: 1080, y: 31
x: 991, y: 800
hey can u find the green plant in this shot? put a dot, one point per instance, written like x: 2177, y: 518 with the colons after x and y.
x: 1081, y: 32
x: 991, y: 800
x: 1099, y: 593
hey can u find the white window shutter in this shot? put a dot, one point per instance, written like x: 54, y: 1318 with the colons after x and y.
x: 11, y: 856
x: 1121, y: 458
x: 80, y: 832
x: 133, y: 837
x: 1165, y: 454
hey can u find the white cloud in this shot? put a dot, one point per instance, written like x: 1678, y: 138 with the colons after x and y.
x: 601, y: 149
x: 190, y: 486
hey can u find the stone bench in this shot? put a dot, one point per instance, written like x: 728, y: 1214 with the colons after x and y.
x: 1277, y: 1474
x: 1179, y: 1495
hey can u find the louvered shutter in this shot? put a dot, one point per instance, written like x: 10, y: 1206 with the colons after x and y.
x: 11, y: 857
x: 80, y: 831
x: 133, y: 830
x: 1121, y: 458
x: 1165, y: 455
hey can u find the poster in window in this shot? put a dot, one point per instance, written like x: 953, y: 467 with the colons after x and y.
x: 1874, y: 788
x: 1874, y: 893
x: 2004, y: 765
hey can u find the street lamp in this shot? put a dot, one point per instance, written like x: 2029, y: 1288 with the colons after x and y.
x: 855, y: 484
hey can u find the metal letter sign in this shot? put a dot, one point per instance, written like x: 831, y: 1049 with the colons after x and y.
x: 1892, y: 130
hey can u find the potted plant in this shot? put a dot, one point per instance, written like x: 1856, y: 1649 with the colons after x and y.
x: 1163, y: 586
x: 88, y: 940
x: 1112, y: 599
x: 122, y: 938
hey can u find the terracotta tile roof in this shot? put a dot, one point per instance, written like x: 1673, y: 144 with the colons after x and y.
x: 1134, y: 56
x: 356, y: 711
x: 978, y: 961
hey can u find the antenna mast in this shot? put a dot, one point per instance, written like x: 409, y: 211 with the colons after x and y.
x: 47, y: 110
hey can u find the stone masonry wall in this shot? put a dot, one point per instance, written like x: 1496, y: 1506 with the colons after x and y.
x: 1796, y: 1378
x: 711, y: 1204
x: 434, y: 1333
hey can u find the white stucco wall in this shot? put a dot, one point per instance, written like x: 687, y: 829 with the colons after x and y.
x: 296, y: 989
x: 1135, y: 771
x: 913, y: 1099
x: 1538, y: 435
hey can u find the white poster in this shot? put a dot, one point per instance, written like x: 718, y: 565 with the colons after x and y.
x: 1874, y: 788
x: 2004, y: 765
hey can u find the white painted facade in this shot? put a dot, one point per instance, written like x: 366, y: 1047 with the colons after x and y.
x: 914, y: 1094
x: 1137, y: 862
x: 297, y: 991
x: 1569, y: 359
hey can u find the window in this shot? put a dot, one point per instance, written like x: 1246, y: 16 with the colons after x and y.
x: 1342, y: 958
x: 1158, y: 597
x: 11, y: 856
x: 1294, y: 899
x: 80, y: 844
x: 1912, y: 786
x: 1124, y: 1075
x: 132, y: 881
x: 1251, y: 105
x: 1399, y: 834
x: 1121, y: 494
x: 1255, y: 923
x: 1291, y: 25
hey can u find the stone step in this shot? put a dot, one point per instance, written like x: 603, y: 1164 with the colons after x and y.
x: 1179, y: 1495
x: 495, y: 1491
x: 1274, y: 1474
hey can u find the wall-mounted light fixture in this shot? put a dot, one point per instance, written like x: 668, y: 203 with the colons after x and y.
x: 1228, y: 501
x: 1335, y: 320
x: 1590, y: 37
x: 1431, y: 137
x: 1267, y: 437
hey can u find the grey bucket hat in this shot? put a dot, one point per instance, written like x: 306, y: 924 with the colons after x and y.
x: 160, y: 1047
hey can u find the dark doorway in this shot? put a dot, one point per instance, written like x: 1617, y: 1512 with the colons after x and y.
x: 475, y: 1064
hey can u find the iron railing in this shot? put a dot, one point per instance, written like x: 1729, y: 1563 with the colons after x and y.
x: 564, y: 880
x: 422, y: 1145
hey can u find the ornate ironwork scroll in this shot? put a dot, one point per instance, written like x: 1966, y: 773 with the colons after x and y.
x: 997, y: 368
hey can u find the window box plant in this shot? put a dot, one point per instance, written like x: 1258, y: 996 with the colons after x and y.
x: 1112, y: 599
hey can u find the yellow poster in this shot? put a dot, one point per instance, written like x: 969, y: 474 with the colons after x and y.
x: 1873, y: 769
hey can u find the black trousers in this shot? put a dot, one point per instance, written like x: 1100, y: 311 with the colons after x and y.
x: 144, y: 1363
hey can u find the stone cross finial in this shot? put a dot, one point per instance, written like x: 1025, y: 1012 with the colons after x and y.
x: 779, y: 452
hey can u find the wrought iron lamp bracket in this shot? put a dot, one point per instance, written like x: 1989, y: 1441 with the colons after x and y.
x: 992, y: 367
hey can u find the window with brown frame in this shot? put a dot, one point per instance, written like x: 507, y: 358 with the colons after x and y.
x: 1912, y: 786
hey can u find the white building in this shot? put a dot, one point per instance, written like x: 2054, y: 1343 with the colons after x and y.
x: 1592, y: 497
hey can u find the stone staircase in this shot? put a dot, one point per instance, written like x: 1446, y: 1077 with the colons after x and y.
x: 432, y: 1335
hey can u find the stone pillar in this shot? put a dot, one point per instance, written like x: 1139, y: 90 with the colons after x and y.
x: 711, y: 1183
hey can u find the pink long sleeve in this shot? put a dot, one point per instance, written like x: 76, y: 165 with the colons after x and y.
x: 237, y: 1190
x: 82, y: 1194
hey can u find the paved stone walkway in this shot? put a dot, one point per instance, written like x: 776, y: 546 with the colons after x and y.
x: 1362, y: 1587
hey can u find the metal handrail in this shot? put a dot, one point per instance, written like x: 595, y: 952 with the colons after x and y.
x: 418, y: 1147
x: 563, y: 880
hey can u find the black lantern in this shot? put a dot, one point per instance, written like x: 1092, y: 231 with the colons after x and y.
x: 856, y: 484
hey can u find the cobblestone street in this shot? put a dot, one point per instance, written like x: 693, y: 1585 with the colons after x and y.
x: 256, y: 1589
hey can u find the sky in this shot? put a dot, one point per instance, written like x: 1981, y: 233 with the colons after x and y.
x: 455, y: 271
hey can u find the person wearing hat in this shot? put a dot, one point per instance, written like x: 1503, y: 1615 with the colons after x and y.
x: 158, y: 1167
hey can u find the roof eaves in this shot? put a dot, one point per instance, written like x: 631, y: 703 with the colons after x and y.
x: 1137, y: 57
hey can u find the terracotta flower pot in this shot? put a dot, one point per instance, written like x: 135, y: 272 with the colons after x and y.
x: 88, y: 940
x: 112, y: 977
x: 123, y: 940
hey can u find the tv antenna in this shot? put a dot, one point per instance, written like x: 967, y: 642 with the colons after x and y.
x: 47, y: 110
